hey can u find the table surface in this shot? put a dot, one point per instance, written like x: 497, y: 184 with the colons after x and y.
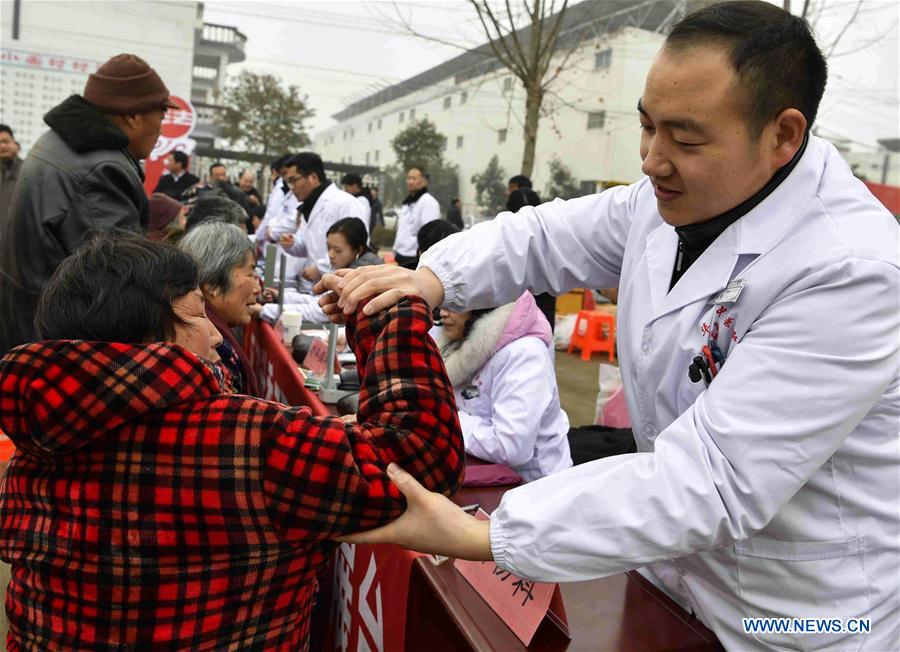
x: 620, y: 612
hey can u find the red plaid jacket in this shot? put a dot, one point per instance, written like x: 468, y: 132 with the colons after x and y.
x: 146, y: 510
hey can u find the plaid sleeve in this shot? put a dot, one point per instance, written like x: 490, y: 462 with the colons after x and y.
x: 324, y: 477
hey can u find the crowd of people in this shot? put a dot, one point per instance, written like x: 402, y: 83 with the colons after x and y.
x: 156, y: 500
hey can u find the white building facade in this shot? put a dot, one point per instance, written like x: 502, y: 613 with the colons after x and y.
x: 590, y: 121
x: 50, y: 47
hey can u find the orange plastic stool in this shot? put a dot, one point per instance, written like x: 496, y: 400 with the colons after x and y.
x: 7, y: 448
x: 594, y: 331
x: 389, y: 258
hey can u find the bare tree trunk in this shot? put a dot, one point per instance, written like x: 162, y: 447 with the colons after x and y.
x: 786, y: 5
x: 533, y: 99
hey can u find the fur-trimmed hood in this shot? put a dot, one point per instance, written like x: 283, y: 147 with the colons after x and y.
x: 491, y: 333
x: 84, y: 127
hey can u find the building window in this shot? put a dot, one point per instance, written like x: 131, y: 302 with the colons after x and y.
x: 463, y: 97
x: 367, y: 158
x: 603, y: 60
x: 412, y: 114
x: 459, y: 142
x: 447, y: 102
x: 370, y: 126
x: 352, y: 133
x: 596, y: 120
x: 501, y: 136
x: 507, y: 84
x: 377, y: 155
x: 379, y: 123
x: 401, y: 116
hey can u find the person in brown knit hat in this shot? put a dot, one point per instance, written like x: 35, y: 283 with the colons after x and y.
x: 80, y: 175
x: 167, y: 218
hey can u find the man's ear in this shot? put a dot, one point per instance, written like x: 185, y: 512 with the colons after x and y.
x: 787, y: 135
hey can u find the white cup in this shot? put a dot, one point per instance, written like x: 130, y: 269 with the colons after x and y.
x: 290, y: 325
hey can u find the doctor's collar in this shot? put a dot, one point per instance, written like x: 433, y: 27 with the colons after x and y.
x: 693, y: 239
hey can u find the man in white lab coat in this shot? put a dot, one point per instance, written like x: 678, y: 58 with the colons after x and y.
x: 758, y: 339
x: 419, y: 208
x: 322, y: 204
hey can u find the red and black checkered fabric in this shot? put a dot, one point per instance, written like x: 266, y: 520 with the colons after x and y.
x: 144, y: 510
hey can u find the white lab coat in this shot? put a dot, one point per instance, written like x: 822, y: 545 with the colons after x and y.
x: 412, y: 218
x: 506, y: 392
x: 310, y: 238
x: 280, y: 219
x: 775, y: 492
x: 366, y: 211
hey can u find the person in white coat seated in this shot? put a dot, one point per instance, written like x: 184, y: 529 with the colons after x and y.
x: 322, y: 204
x: 419, y: 208
x: 347, y: 249
x: 759, y: 307
x: 498, y: 361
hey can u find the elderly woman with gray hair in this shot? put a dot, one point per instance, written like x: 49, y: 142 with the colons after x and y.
x: 226, y: 263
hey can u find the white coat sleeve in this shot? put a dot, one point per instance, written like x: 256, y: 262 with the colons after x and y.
x: 298, y: 249
x: 552, y: 248
x: 803, y: 377
x: 519, y: 398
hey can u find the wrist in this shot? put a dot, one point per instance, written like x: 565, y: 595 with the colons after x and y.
x: 431, y: 286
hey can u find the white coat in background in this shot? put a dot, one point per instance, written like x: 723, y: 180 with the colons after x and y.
x: 774, y: 492
x: 412, y: 218
x: 280, y: 219
x: 366, y: 211
x: 310, y: 237
x: 506, y: 392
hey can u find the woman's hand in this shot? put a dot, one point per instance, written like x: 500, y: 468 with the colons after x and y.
x: 387, y: 283
x: 287, y: 240
x: 312, y: 273
x: 431, y: 523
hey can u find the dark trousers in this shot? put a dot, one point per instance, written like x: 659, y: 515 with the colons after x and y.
x: 409, y: 262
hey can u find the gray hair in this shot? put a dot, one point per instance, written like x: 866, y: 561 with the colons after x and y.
x: 218, y: 248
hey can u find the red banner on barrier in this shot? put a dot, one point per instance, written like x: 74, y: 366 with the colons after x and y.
x: 278, y: 375
x: 371, y: 586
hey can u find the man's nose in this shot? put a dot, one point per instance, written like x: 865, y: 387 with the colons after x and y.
x: 656, y: 163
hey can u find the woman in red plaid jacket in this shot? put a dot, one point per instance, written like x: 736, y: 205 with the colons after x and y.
x: 144, y: 509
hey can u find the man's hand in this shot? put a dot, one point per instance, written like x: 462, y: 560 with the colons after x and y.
x: 387, y: 283
x: 312, y: 272
x: 253, y: 200
x: 431, y: 523
x: 287, y: 240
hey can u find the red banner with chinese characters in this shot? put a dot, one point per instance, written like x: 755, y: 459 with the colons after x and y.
x: 177, y: 126
x: 371, y: 585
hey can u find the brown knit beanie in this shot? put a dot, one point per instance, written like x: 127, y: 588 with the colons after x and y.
x: 163, y: 211
x: 127, y: 84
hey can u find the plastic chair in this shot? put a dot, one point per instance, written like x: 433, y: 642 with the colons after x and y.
x: 594, y: 331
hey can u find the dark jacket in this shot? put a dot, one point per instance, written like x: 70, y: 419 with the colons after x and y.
x: 145, y: 510
x: 9, y: 175
x: 77, y: 176
x: 454, y: 216
x: 175, y: 189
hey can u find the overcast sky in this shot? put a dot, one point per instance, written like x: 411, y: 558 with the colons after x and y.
x: 339, y: 51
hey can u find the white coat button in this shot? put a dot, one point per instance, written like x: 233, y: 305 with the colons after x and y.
x: 648, y: 430
x: 645, y: 347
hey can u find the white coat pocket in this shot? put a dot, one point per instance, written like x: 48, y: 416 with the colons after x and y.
x: 776, y: 576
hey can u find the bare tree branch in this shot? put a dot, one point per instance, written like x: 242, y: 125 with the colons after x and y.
x: 844, y: 29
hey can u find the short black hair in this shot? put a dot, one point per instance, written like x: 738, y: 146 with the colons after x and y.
x: 307, y: 163
x: 8, y: 130
x: 772, y: 51
x: 215, y: 206
x: 278, y: 163
x: 216, y: 165
x: 351, y: 180
x: 180, y: 158
x: 353, y: 229
x: 433, y: 232
x: 522, y: 197
x: 421, y: 170
x: 117, y: 287
x: 519, y: 181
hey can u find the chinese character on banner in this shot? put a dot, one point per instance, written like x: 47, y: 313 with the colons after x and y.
x: 174, y: 134
x: 59, y: 64
x: 80, y: 66
x: 34, y: 60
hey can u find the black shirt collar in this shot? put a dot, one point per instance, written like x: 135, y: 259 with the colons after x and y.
x: 308, y: 203
x: 413, y: 197
x: 694, y: 239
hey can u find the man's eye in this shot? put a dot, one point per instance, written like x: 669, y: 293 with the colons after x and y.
x: 648, y: 128
x: 687, y: 145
